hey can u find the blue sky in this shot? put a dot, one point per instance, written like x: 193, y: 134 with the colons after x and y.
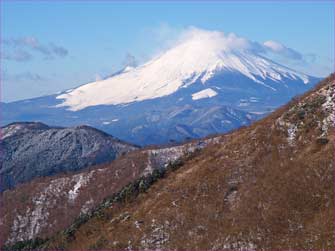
x: 51, y: 46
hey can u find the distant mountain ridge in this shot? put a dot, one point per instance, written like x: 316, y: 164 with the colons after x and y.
x: 78, y: 193
x: 31, y: 150
x: 202, y: 73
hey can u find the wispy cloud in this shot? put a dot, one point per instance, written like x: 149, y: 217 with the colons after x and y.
x: 20, y: 49
x: 279, y: 48
x: 59, y: 50
x: 130, y: 60
x: 233, y: 42
x: 23, y: 76
x: 17, y: 55
x: 308, y: 63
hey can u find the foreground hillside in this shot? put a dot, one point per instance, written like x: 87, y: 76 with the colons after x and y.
x: 269, y: 186
x: 40, y: 208
x: 30, y: 150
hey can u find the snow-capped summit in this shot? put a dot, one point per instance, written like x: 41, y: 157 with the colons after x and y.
x: 207, y: 82
x: 198, y: 56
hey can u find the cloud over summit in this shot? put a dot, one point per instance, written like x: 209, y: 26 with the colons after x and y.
x: 168, y: 36
x: 279, y: 48
x: 233, y: 42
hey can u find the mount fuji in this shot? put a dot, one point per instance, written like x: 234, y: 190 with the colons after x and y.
x: 207, y: 83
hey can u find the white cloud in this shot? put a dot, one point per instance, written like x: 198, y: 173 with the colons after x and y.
x: 230, y: 41
x: 274, y: 50
x: 279, y: 48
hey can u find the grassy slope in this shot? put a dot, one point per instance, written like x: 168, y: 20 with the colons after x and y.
x: 252, y: 189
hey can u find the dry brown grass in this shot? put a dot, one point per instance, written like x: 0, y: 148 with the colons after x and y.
x: 252, y: 189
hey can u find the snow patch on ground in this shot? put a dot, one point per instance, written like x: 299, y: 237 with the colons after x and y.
x: 81, y: 180
x: 158, y: 236
x: 326, y: 96
x: 28, y: 225
x: 328, y: 107
x: 207, y: 93
x: 291, y: 132
x: 161, y: 157
x: 10, y: 130
x: 87, y: 206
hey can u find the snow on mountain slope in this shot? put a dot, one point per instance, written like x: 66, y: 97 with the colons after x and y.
x: 199, y: 55
x: 207, y: 93
x: 207, y: 75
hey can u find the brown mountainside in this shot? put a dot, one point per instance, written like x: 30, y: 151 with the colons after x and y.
x: 40, y: 208
x: 268, y: 186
